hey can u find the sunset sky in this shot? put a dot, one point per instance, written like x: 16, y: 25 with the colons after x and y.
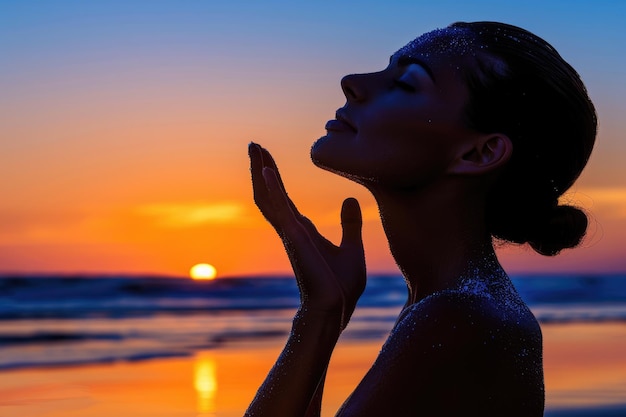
x: 124, y: 125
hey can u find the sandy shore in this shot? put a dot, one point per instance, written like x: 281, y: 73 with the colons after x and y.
x: 585, y: 371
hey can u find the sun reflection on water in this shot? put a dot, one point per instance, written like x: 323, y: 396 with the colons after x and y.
x: 205, y: 384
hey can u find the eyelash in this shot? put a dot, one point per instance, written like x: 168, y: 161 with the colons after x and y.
x: 404, y: 86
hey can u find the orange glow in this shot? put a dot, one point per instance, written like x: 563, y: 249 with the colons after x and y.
x: 189, y: 215
x: 205, y: 383
x: 143, y: 168
x: 163, y: 203
x: 584, y: 366
x: 203, y: 271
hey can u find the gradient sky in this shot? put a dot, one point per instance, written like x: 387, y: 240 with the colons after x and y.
x: 124, y: 125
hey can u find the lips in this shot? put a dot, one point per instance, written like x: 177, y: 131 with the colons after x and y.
x: 340, y: 123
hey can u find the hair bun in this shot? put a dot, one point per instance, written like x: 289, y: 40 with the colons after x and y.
x: 562, y: 227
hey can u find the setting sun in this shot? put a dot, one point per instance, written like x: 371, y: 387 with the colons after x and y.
x: 203, y: 271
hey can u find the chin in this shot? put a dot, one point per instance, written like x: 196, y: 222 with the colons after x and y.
x: 317, y: 152
x: 326, y: 156
x: 336, y: 160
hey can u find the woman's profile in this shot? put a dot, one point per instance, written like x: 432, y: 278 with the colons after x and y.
x: 471, y: 133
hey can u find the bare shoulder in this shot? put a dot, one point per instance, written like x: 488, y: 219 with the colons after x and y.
x: 455, y: 325
x: 457, y: 351
x: 467, y: 313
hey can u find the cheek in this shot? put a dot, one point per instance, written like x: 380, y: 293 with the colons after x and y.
x: 401, y: 133
x: 408, y: 155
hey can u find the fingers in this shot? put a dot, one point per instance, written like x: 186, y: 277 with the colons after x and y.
x: 262, y: 196
x: 302, y: 247
x: 281, y: 204
x: 268, y: 161
x: 256, y: 166
x: 351, y: 223
x: 260, y: 158
x: 272, y: 199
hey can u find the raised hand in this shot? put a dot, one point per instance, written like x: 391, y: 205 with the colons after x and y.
x: 331, y: 278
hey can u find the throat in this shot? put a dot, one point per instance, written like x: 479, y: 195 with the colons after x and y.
x: 436, y: 244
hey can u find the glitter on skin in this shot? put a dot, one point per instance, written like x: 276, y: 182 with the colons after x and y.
x: 490, y: 317
x: 458, y: 41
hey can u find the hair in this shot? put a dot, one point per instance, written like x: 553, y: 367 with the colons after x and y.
x: 521, y: 87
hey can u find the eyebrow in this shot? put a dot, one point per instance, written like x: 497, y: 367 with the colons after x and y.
x: 404, y: 60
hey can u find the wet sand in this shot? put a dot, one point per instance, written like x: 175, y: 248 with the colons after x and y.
x: 585, y: 371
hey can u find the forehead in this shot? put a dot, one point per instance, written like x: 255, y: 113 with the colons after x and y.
x: 449, y: 42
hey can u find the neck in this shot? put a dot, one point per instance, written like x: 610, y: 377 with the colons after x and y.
x: 435, y: 237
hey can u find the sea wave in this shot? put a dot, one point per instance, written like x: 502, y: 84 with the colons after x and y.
x: 567, y: 298
x: 57, y: 321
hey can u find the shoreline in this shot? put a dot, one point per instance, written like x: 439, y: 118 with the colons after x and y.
x: 584, y: 365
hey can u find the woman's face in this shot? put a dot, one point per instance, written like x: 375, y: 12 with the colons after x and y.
x: 400, y: 127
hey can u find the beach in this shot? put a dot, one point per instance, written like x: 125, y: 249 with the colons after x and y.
x: 167, y: 347
x: 585, y: 375
x: 585, y: 369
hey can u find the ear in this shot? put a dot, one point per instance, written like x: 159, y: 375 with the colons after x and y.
x: 485, y: 154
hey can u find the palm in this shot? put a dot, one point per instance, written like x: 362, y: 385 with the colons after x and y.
x: 331, y: 278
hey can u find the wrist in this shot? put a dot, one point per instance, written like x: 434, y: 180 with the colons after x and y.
x: 318, y: 318
x: 339, y: 312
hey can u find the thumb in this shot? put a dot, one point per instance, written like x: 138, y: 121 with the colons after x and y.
x: 351, y: 223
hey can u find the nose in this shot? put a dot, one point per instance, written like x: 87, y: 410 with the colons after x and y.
x: 353, y: 87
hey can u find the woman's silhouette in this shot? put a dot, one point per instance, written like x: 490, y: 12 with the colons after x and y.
x: 472, y: 132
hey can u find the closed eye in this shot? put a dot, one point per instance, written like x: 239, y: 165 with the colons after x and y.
x: 404, y: 85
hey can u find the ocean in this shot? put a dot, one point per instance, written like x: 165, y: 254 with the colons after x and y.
x: 59, y: 321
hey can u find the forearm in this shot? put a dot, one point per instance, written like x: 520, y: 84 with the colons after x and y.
x: 315, y: 405
x: 291, y: 385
